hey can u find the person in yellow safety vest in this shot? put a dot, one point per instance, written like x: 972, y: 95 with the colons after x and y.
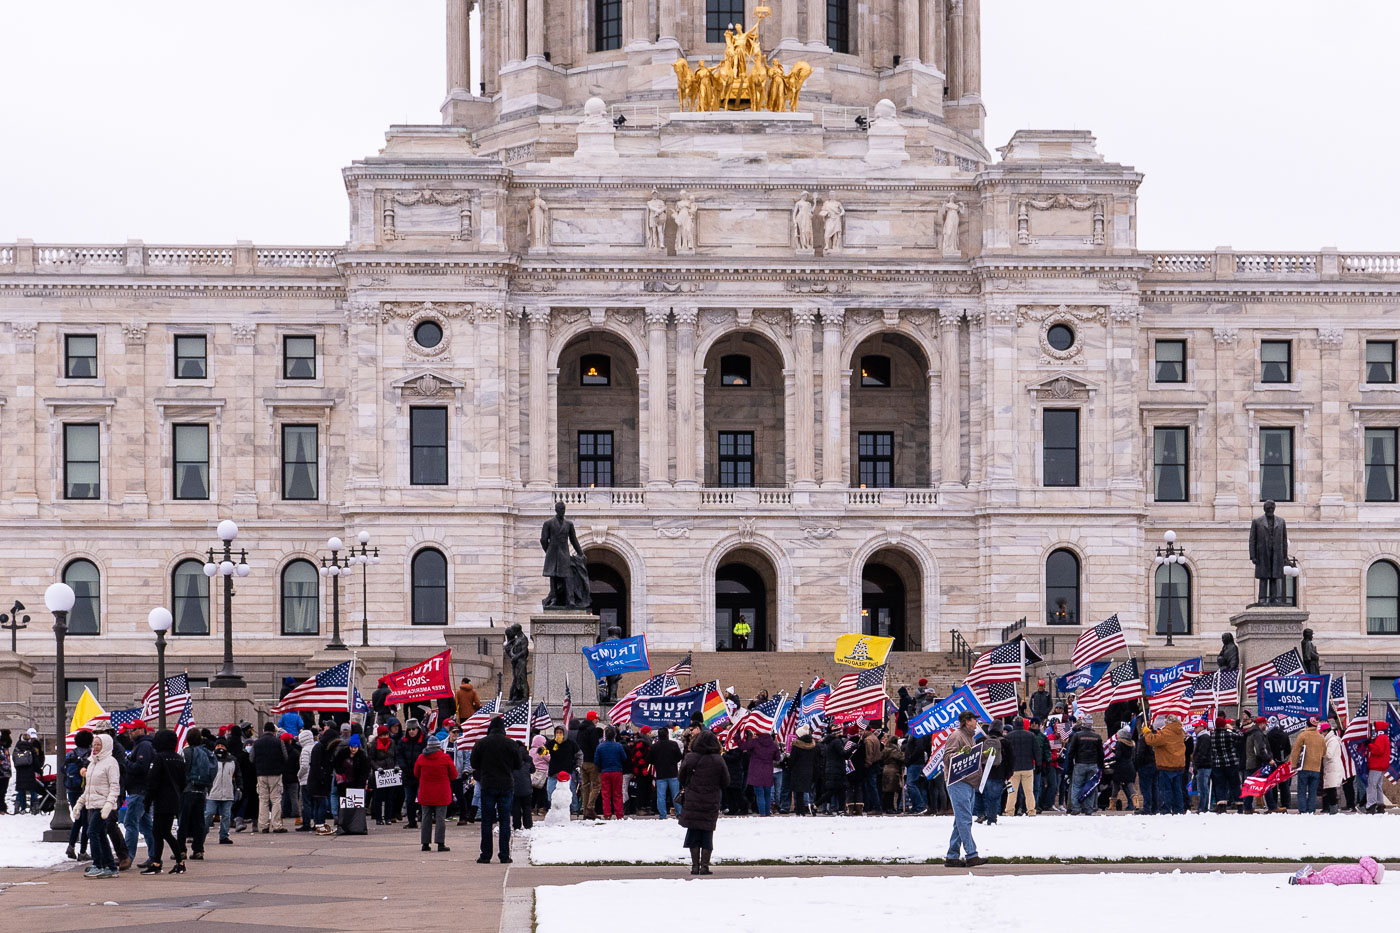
x: 742, y: 631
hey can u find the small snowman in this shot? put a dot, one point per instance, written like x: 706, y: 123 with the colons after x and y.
x: 559, y: 802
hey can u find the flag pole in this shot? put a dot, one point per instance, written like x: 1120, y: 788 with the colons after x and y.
x: 350, y: 687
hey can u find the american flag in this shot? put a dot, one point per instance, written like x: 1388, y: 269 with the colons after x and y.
x: 182, y: 726
x: 1337, y: 693
x: 787, y: 723
x: 1290, y: 662
x: 518, y: 722
x: 1004, y: 662
x: 1123, y: 682
x: 540, y: 720
x: 1271, y: 775
x: 855, y: 692
x: 474, y: 726
x: 680, y: 670
x: 177, y: 691
x: 1099, y: 642
x: 1177, y: 698
x: 1359, y: 729
x: 568, y: 712
x: 1214, y: 688
x: 330, y: 690
x: 814, y: 701
x: 662, y: 685
x: 758, y: 720
x: 998, y: 699
x: 125, y: 717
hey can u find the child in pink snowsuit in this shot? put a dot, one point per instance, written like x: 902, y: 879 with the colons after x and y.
x: 1369, y: 871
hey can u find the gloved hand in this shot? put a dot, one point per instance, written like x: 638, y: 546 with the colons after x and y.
x: 107, y: 811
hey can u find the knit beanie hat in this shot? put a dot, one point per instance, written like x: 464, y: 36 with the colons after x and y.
x: 433, y: 746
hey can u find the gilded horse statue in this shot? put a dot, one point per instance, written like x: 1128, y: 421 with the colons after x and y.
x: 687, y: 87
x: 745, y: 78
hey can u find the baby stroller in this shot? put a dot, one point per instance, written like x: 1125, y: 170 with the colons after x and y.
x: 48, y: 786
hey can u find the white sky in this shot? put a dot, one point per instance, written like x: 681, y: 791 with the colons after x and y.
x: 197, y: 122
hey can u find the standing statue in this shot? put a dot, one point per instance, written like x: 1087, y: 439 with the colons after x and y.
x: 1229, y: 657
x: 1312, y: 663
x: 802, y: 222
x: 518, y: 657
x: 555, y: 538
x: 656, y: 222
x: 952, y: 216
x: 1268, y: 549
x: 777, y: 87
x: 684, y: 216
x: 704, y: 87
x: 607, y: 686
x: 539, y: 222
x: 833, y: 230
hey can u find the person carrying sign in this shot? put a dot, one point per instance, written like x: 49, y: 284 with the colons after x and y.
x: 962, y: 849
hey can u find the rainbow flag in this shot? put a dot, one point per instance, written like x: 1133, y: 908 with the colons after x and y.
x: 713, y: 709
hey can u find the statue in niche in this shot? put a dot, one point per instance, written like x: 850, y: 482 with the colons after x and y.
x: 802, y: 222
x: 833, y: 224
x: 656, y: 222
x: 1268, y: 549
x: 556, y: 537
x: 952, y: 216
x: 1229, y: 657
x: 518, y: 657
x: 539, y: 222
x: 684, y: 216
x: 1312, y: 662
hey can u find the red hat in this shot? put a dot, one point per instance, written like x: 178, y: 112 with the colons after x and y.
x: 646, y: 730
x: 1260, y: 721
x: 137, y: 724
x: 1220, y: 722
x: 1040, y: 683
x: 923, y: 681
x: 562, y: 777
x: 1229, y: 722
x: 381, y: 730
x: 449, y: 721
x: 592, y: 715
x: 286, y: 737
x: 1324, y: 727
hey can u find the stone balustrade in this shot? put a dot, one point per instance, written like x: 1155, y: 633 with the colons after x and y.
x: 136, y: 258
x: 740, y: 498
x: 1225, y: 264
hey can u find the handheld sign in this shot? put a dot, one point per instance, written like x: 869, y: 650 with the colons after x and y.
x: 617, y: 656
x: 1158, y: 679
x: 1297, y: 695
x: 964, y: 765
x: 660, y: 712
x: 426, y: 680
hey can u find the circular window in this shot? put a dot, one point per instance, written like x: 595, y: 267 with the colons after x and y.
x: 427, y: 335
x: 1060, y: 336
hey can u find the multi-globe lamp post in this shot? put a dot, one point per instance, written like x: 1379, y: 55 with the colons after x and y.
x: 364, y: 556
x: 59, y: 598
x: 221, y: 564
x: 336, y: 566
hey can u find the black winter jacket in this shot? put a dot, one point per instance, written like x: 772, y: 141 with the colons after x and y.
x: 1200, y: 755
x: 1085, y: 748
x: 494, y: 760
x: 589, y: 735
x: 269, y: 755
x: 703, y: 776
x: 138, y: 765
x: 665, y: 758
x: 1022, y: 746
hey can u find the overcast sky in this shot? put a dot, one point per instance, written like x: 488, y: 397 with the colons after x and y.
x: 188, y: 122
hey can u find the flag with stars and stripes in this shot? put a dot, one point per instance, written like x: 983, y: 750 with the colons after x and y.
x: 997, y: 698
x: 1337, y: 694
x: 787, y: 721
x: 1290, y: 662
x: 1218, y: 688
x: 474, y: 726
x: 1004, y: 662
x: 1099, y: 642
x: 1355, y: 739
x: 1123, y: 682
x: 814, y: 701
x: 756, y: 721
x: 182, y: 726
x: 568, y: 712
x: 125, y: 717
x: 680, y: 671
x: 518, y: 722
x: 540, y: 720
x: 662, y: 685
x: 1176, y: 699
x: 328, y: 691
x: 858, y: 695
x: 177, y: 691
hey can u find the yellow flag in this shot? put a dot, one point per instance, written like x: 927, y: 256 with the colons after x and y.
x: 87, y: 708
x: 862, y: 651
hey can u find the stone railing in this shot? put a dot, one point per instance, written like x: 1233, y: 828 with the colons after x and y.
x: 708, y: 498
x: 26, y: 257
x: 1225, y: 264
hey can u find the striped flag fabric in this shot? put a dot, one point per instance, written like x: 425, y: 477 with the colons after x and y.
x: 183, y: 724
x: 474, y: 726
x: 814, y: 701
x: 859, y: 694
x: 787, y: 722
x: 1290, y: 662
x: 1337, y: 694
x: 568, y: 712
x: 1004, y: 662
x: 714, y: 710
x: 430, y: 727
x: 1123, y: 682
x: 681, y: 670
x: 177, y: 691
x: 124, y: 717
x: 330, y: 690
x: 518, y: 722
x: 1359, y: 729
x: 1099, y: 642
x: 756, y: 721
x: 998, y: 698
x: 540, y: 720
x: 661, y: 685
x: 1215, y: 689
x: 1176, y: 699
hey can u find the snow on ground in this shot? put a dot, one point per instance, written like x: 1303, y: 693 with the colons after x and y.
x: 22, y: 845
x: 984, y: 903
x: 916, y: 839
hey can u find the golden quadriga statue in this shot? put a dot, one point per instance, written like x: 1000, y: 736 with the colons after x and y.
x: 744, y: 80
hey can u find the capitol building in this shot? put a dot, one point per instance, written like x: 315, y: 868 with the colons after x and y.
x: 801, y: 351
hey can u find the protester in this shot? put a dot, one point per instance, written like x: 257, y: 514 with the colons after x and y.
x: 99, y: 799
x: 1309, y: 751
x: 165, y: 785
x: 434, y: 773
x: 1168, y: 742
x: 28, y: 761
x: 763, y: 752
x: 467, y: 700
x: 1280, y: 747
x: 802, y: 770
x: 494, y: 760
x: 833, y: 761
x: 1022, y: 748
x: 320, y: 780
x: 1333, y: 772
x: 201, y: 769
x: 611, y: 759
x: 987, y: 805
x: 1200, y: 761
x: 665, y: 757
x: 523, y: 789
x: 1084, y: 751
x: 1123, y: 771
x: 383, y: 757
x: 351, y: 774
x: 589, y: 735
x: 307, y: 742
x: 564, y: 758
x: 1256, y: 752
x: 1377, y: 761
x: 139, y: 756
x: 703, y: 777
x: 222, y: 790
x: 1040, y: 701
x: 539, y: 776
x: 269, y: 756
x: 962, y: 849
x: 291, y: 792
x: 407, y: 752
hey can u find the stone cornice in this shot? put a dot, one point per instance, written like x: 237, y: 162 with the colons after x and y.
x: 1264, y: 292
x: 324, y: 291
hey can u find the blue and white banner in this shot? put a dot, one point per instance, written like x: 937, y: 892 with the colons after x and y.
x: 1158, y: 679
x: 617, y: 656
x: 1082, y: 678
x: 941, y: 715
x: 661, y: 712
x: 1296, y: 695
x: 966, y: 764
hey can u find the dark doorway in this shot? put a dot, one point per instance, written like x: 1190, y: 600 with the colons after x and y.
x: 882, y: 603
x: 741, y: 609
x: 609, y: 593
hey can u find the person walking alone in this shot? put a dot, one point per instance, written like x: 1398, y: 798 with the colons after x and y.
x: 703, y: 776
x: 434, y: 772
x: 494, y: 760
x: 962, y: 848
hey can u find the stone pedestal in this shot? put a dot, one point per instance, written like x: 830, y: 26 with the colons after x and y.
x: 557, y: 637
x: 218, y: 706
x: 467, y: 110
x: 16, y: 689
x: 1264, y: 633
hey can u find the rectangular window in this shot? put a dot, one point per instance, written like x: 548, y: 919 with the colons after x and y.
x: 1171, y: 361
x: 1275, y: 361
x: 875, y: 456
x: 736, y: 458
x: 595, y: 458
x: 1061, y: 446
x: 74, y: 687
x: 80, y: 356
x: 1380, y: 361
x: 299, y: 358
x: 191, y: 461
x: 607, y: 25
x: 838, y: 25
x: 1380, y: 464
x: 719, y: 14
x: 191, y: 356
x: 82, y: 466
x: 1169, y: 452
x: 299, y: 467
x: 427, y: 441
x: 1276, y: 464
x: 735, y: 369
x: 1382, y: 692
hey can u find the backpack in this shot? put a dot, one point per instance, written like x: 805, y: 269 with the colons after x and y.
x: 203, y: 768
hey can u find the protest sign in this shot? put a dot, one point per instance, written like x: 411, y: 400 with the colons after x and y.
x: 941, y: 716
x: 660, y: 712
x: 1296, y: 695
x: 965, y: 764
x: 1158, y: 679
x: 617, y: 656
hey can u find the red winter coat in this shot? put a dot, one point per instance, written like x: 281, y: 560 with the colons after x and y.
x: 435, y: 773
x: 1378, y: 754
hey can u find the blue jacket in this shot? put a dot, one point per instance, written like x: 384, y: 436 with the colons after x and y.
x: 610, y: 756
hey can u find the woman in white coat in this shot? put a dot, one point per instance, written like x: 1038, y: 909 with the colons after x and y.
x: 101, y: 793
x: 1333, y: 774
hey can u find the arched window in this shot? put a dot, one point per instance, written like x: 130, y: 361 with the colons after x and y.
x: 1062, y: 588
x: 301, y: 599
x: 1383, y: 599
x: 190, y: 589
x: 429, y: 587
x: 86, y: 615
x: 1173, y: 592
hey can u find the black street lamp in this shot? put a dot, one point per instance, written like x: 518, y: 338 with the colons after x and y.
x: 59, y: 598
x: 221, y: 564
x: 333, y: 567
x: 12, y: 622
x: 1171, y: 555
x: 365, y: 556
x: 160, y: 620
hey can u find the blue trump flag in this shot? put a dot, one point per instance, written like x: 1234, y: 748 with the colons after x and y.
x: 1392, y: 726
x: 1081, y: 678
x: 1158, y: 679
x: 617, y: 656
x: 940, y: 716
x: 1295, y: 695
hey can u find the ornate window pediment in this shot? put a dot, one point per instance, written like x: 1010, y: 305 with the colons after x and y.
x: 1062, y: 387
x: 427, y: 384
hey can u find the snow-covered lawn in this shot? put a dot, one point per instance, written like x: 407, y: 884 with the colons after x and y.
x: 22, y: 845
x: 963, y: 902
x: 916, y: 839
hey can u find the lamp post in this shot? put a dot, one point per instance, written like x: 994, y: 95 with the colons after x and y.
x: 365, y: 556
x: 160, y: 620
x: 59, y: 598
x: 1171, y: 555
x: 14, y: 623
x: 1291, y: 569
x: 221, y: 564
x: 333, y: 567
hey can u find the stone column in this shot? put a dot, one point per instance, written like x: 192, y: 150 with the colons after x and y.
x: 539, y: 472
x: 458, y: 45
x: 685, y: 397
x: 489, y: 400
x: 636, y: 18
x: 804, y: 418
x: 129, y: 433
x: 909, y: 31
x: 363, y: 449
x: 656, y: 396
x: 515, y: 31
x: 977, y: 394
x: 832, y: 455
x: 948, y: 323
x: 490, y: 44
x: 931, y: 21
x: 955, y: 51
x: 787, y: 22
x: 237, y: 446
x: 25, y: 452
x: 534, y: 31
x: 816, y: 23
x: 935, y: 426
x: 1332, y: 498
x: 1000, y: 461
x: 972, y: 49
x: 666, y: 23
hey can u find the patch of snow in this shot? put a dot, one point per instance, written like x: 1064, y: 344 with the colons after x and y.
x: 916, y: 839
x: 22, y: 842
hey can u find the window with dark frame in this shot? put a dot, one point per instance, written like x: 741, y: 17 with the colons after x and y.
x: 875, y: 459
x: 838, y: 25
x: 80, y: 356
x: 301, y: 598
x: 1060, y: 443
x: 1379, y: 455
x: 191, y: 356
x: 1380, y: 362
x: 607, y: 25
x: 595, y: 458
x: 1169, y: 465
x: 874, y: 372
x: 298, y: 357
x: 82, y: 461
x: 190, y: 597
x: 1276, y: 361
x: 1062, y: 588
x: 735, y: 369
x: 190, y: 478
x: 595, y: 369
x: 1382, y: 599
x: 719, y: 14
x: 1173, y: 584
x: 429, y: 573
x: 73, y: 687
x: 86, y: 615
x: 1171, y: 361
x: 299, y: 461
x: 427, y: 441
x: 1276, y: 464
x: 736, y: 458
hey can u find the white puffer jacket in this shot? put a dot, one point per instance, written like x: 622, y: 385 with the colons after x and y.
x: 104, y: 778
x: 1332, y: 772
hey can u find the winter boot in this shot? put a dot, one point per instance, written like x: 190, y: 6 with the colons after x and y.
x: 179, y: 868
x: 71, y: 854
x: 705, y: 861
x: 83, y: 855
x: 695, y: 861
x: 860, y: 809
